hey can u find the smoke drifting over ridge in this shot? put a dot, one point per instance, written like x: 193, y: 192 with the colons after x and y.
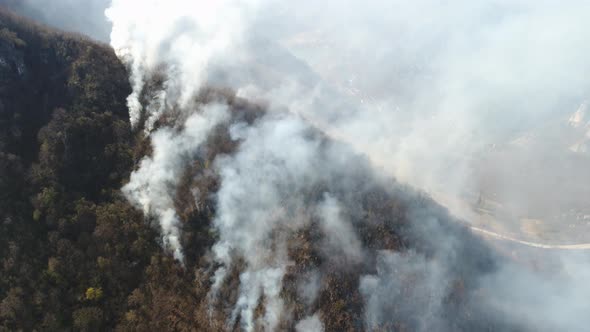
x: 417, y: 88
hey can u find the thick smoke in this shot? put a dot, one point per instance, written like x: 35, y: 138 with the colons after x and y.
x: 410, y: 288
x: 419, y: 88
x: 340, y: 236
x: 309, y: 287
x: 189, y: 38
x: 542, y: 301
x: 152, y: 187
x: 267, y: 194
x: 439, y: 81
x: 310, y: 324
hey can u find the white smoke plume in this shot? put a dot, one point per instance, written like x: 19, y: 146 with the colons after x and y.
x: 542, y: 301
x: 340, y: 236
x: 310, y: 324
x: 408, y: 286
x: 188, y: 37
x: 419, y: 88
x: 309, y: 287
x: 264, y: 186
x: 152, y: 186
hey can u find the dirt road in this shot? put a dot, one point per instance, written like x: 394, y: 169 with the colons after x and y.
x: 581, y: 246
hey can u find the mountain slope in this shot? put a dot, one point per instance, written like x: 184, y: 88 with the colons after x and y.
x: 65, y: 147
x: 264, y: 222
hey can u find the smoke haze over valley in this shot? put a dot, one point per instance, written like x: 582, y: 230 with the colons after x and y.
x: 304, y: 166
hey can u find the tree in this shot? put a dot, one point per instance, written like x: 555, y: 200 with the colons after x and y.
x: 88, y: 319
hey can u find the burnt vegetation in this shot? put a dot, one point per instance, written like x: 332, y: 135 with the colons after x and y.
x: 75, y: 255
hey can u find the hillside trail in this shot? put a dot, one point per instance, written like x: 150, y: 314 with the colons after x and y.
x: 487, y: 233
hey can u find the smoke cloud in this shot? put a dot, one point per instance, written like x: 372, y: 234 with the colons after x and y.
x: 267, y: 194
x: 152, y: 186
x: 417, y: 284
x: 310, y: 324
x: 419, y: 89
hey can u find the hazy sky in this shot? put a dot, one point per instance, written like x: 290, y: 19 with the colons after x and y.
x: 83, y: 16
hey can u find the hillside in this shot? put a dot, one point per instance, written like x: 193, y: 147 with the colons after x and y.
x: 65, y: 148
x: 223, y: 214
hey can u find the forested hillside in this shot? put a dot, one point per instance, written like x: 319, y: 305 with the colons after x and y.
x: 76, y: 255
x: 71, y: 248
